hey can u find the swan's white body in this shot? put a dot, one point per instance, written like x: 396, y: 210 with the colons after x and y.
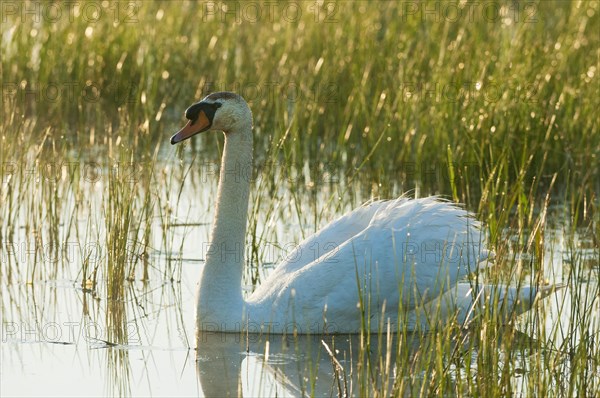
x: 384, y: 255
x: 375, y: 264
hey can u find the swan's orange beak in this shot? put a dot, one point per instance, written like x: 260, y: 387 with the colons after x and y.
x: 193, y: 127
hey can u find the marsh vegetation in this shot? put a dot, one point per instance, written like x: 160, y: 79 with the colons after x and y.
x: 103, y: 225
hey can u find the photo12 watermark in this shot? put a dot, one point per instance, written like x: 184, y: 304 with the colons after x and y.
x: 254, y: 12
x: 436, y: 92
x: 72, y: 92
x: 54, y: 12
x: 505, y: 12
x: 55, y: 171
x: 63, y: 332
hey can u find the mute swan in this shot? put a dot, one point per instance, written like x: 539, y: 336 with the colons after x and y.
x: 376, y: 263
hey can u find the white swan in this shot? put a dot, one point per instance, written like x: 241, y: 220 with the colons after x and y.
x: 382, y: 260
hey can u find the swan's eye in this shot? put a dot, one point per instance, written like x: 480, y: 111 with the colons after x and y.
x: 192, y: 112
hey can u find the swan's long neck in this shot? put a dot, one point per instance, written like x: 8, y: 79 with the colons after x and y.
x: 220, y: 283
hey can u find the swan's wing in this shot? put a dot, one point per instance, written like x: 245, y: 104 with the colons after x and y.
x: 327, y: 239
x: 411, y: 252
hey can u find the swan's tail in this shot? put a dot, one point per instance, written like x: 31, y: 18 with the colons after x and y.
x: 465, y: 301
x: 545, y: 291
x: 515, y: 300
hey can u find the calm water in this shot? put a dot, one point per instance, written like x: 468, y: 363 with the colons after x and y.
x: 60, y: 338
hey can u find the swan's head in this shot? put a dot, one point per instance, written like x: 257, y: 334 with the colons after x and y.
x: 222, y: 111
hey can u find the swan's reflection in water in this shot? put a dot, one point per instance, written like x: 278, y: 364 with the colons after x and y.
x: 231, y: 365
x: 257, y: 365
x: 267, y: 366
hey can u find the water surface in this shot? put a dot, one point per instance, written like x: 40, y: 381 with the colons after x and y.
x: 64, y: 334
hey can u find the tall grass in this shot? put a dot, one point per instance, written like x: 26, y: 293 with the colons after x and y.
x: 351, y: 100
